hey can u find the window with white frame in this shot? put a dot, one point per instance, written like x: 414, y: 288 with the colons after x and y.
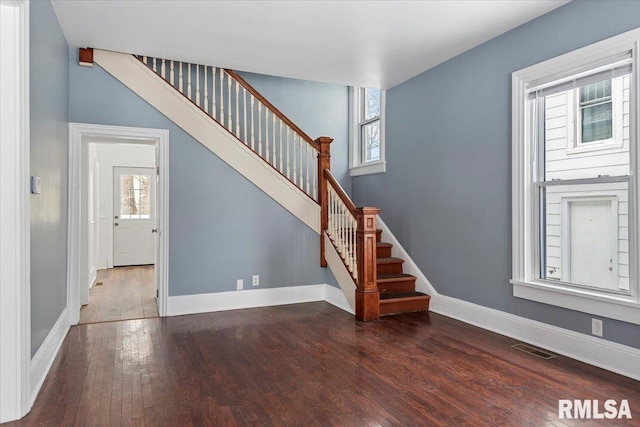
x: 595, y: 114
x: 367, y: 131
x: 575, y: 187
x: 597, y: 121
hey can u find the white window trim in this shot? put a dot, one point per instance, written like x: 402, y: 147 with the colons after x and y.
x: 524, y: 234
x: 356, y: 166
x: 575, y: 146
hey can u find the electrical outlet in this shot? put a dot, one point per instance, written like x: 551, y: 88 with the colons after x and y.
x: 239, y: 284
x: 256, y: 280
x: 596, y: 327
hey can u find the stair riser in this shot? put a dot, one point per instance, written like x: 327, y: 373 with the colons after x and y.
x: 383, y: 252
x: 378, y: 236
x: 395, y: 307
x: 399, y: 287
x: 390, y: 268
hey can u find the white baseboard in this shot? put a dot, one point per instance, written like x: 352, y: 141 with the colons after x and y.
x: 608, y: 355
x: 46, y: 354
x: 252, y: 298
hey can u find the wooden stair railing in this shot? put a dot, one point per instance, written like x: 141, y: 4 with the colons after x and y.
x: 352, y: 231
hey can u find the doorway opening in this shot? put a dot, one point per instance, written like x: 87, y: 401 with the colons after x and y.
x: 120, y: 189
x: 118, y: 223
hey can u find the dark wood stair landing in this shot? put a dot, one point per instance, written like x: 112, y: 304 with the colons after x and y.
x: 397, y: 289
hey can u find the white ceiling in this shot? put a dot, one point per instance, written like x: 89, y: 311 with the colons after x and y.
x: 363, y: 43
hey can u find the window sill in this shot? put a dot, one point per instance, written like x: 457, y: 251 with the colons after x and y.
x: 608, y: 144
x: 616, y: 307
x: 368, y: 168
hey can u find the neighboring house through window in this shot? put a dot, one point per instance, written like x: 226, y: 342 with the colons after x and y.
x: 367, y: 131
x: 575, y: 185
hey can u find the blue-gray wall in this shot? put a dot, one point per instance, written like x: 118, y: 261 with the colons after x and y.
x: 446, y: 194
x: 319, y: 109
x: 49, y: 68
x: 221, y: 227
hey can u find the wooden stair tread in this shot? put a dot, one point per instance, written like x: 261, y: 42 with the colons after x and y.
x: 406, y: 296
x: 395, y: 277
x: 390, y: 260
x: 406, y: 302
x: 383, y: 245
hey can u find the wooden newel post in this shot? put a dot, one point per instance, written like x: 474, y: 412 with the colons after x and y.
x: 367, y: 293
x: 324, y: 162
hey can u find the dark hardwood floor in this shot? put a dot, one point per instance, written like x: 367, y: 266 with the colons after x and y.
x: 310, y: 364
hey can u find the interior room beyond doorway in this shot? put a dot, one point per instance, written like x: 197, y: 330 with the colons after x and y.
x: 121, y: 293
x: 119, y: 190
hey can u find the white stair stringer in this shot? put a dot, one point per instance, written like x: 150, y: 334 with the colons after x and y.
x: 176, y: 107
x: 340, y: 272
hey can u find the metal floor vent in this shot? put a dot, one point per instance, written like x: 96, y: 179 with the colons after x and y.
x: 538, y: 352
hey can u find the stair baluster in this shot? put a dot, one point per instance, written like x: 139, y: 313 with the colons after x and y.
x: 253, y: 143
x: 260, y: 128
x: 206, y: 89
x: 172, y: 74
x: 221, y: 121
x: 229, y: 119
x: 214, y: 107
x: 198, y: 86
x: 189, y: 82
x: 237, y: 111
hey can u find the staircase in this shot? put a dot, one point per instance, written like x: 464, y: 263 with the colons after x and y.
x: 218, y: 108
x: 397, y: 289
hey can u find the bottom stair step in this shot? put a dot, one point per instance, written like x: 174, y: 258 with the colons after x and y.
x: 403, y: 303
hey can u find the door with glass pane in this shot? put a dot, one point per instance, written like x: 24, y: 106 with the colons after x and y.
x: 133, y: 216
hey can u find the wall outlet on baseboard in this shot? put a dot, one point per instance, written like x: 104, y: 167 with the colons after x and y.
x: 596, y: 327
x: 239, y: 284
x: 256, y: 280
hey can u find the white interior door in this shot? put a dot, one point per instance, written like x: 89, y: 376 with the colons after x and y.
x: 593, y: 243
x: 134, y: 206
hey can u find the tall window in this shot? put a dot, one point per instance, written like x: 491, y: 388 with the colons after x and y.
x: 583, y: 196
x: 575, y: 187
x: 370, y: 125
x: 367, y: 135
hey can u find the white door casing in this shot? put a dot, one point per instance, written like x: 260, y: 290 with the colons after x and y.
x: 156, y: 253
x: 80, y: 134
x: 134, y: 216
x: 15, y: 299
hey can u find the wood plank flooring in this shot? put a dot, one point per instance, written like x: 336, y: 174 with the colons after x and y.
x: 126, y: 293
x: 306, y: 365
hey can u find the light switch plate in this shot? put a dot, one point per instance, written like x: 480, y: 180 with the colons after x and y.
x: 35, y: 185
